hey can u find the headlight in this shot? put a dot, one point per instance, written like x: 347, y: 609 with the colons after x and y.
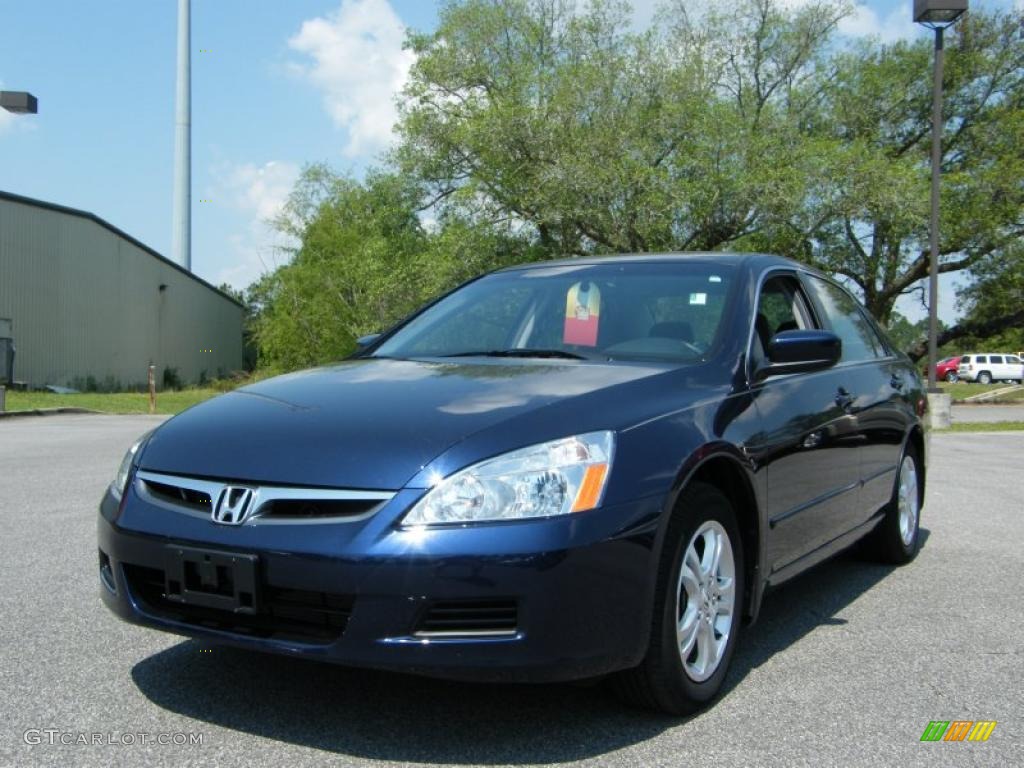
x: 121, y: 479
x: 556, y: 478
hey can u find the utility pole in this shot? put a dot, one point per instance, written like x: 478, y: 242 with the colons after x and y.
x: 182, y: 227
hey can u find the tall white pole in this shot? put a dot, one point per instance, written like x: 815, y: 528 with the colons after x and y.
x: 182, y: 235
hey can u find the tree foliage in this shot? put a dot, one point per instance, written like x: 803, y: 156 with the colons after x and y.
x: 364, y: 260
x: 993, y: 306
x: 539, y: 128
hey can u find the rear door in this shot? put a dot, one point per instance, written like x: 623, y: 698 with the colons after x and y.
x: 998, y: 367
x: 1016, y: 368
x: 878, y: 382
x: 808, y: 442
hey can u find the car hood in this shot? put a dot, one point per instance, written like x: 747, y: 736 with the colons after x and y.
x: 369, y: 423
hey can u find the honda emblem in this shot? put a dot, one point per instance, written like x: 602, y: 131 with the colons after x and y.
x: 233, y: 505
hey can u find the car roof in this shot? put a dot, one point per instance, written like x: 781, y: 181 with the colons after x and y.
x: 754, y: 261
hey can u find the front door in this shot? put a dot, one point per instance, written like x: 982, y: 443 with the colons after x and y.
x: 809, y: 444
x: 878, y: 383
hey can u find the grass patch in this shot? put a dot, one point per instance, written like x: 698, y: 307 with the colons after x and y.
x: 962, y: 390
x: 985, y: 426
x: 167, y: 403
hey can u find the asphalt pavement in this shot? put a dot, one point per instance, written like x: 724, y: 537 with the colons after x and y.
x: 847, y: 665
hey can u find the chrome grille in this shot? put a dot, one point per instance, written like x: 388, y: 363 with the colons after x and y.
x: 272, y: 504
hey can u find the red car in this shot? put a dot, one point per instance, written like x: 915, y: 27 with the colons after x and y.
x: 947, y: 369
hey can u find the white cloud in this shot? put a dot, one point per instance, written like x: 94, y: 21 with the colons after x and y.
x: 259, y: 190
x: 259, y: 193
x: 6, y: 118
x: 898, y: 24
x: 644, y: 12
x: 358, y: 63
x: 864, y: 21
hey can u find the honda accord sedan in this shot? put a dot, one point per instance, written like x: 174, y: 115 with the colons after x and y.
x: 574, y: 469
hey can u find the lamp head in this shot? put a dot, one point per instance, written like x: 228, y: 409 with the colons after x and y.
x: 938, y: 13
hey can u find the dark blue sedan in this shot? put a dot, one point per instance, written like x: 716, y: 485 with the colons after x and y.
x: 558, y: 471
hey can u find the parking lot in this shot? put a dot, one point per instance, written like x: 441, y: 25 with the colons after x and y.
x: 846, y: 666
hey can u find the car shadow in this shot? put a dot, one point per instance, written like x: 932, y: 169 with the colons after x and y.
x: 811, y: 600
x: 402, y: 718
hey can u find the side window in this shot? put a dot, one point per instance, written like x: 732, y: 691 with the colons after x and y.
x: 860, y: 342
x: 780, y: 307
x: 996, y: 359
x: 1013, y: 360
x: 980, y: 359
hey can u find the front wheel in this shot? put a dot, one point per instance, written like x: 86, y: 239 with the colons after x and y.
x: 698, y: 608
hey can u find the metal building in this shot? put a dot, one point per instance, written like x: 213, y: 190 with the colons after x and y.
x: 91, y: 305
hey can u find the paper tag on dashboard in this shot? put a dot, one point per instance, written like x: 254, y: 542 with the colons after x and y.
x: 582, y: 315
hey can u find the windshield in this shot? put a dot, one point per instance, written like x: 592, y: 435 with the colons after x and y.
x: 634, y: 310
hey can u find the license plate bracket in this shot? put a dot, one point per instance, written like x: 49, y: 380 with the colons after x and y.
x: 212, y: 579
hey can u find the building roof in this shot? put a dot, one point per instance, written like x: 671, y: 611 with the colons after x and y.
x: 120, y: 233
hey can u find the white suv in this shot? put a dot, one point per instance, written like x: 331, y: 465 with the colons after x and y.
x: 985, y: 369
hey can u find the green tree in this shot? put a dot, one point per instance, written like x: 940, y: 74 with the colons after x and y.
x: 905, y: 334
x: 354, y: 271
x: 992, y: 306
x: 535, y: 128
x: 364, y: 261
x: 681, y: 138
x: 867, y: 215
x: 741, y: 127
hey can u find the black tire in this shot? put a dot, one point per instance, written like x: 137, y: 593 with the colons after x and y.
x: 886, y: 543
x: 661, y: 682
x: 984, y: 377
x: 952, y: 377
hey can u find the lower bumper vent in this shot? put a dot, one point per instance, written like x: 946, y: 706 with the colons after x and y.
x: 284, y: 614
x: 469, y: 617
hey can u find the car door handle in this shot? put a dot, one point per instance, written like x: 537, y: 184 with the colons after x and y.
x: 896, y: 382
x: 844, y: 399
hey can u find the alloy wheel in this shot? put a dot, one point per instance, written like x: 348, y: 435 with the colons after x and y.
x: 909, y: 500
x: 705, y: 600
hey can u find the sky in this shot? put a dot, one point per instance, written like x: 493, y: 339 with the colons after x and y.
x: 275, y: 85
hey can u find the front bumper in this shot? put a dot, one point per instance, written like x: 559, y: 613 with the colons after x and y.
x: 578, y: 589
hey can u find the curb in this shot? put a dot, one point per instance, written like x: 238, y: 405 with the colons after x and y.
x: 44, y: 412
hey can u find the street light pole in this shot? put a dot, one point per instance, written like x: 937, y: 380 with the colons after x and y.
x: 933, y: 266
x: 936, y: 14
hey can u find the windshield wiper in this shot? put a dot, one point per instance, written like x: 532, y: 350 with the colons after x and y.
x: 521, y: 352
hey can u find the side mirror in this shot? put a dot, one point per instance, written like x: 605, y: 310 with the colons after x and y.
x: 364, y: 341
x: 801, y: 351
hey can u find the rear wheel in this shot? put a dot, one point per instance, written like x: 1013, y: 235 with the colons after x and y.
x: 984, y: 377
x: 698, y: 608
x: 896, y: 539
x: 952, y: 377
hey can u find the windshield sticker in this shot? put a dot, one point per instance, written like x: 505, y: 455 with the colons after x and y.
x: 698, y: 298
x: 582, y: 314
